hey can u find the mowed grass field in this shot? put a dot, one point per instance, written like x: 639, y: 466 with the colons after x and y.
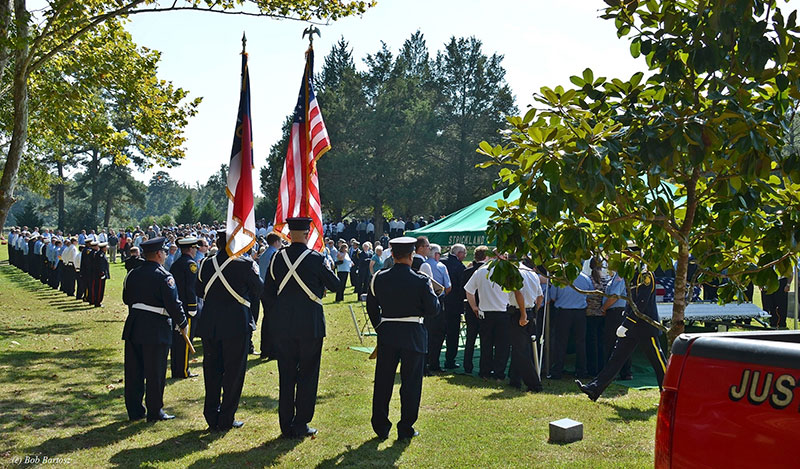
x: 61, y: 396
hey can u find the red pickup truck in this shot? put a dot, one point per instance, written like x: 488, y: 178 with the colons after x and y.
x: 731, y: 400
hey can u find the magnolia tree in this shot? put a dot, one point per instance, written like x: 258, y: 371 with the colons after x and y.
x: 691, y: 159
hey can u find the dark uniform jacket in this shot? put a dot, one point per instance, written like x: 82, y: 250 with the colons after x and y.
x: 100, y: 266
x: 294, y: 313
x: 87, y: 263
x: 643, y: 292
x: 184, y: 269
x: 133, y: 262
x: 223, y: 316
x: 150, y: 284
x: 400, y: 292
x: 454, y: 301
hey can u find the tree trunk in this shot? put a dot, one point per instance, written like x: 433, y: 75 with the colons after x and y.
x: 377, y: 219
x: 60, y: 195
x: 107, y: 214
x: 679, y: 301
x: 19, y: 133
x: 94, y: 199
x: 5, y: 21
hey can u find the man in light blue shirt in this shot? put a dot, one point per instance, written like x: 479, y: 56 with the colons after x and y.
x: 570, y: 316
x: 273, y: 244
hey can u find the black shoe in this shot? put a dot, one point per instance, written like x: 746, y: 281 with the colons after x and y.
x: 133, y: 419
x: 192, y: 375
x: 536, y: 389
x: 382, y: 437
x: 552, y: 376
x: 515, y: 385
x: 161, y: 416
x: 588, y: 390
x: 450, y: 365
x: 408, y: 436
x: 237, y: 424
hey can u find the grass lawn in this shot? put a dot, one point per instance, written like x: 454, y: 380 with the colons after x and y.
x: 61, y: 396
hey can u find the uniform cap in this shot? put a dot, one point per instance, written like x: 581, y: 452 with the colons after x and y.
x: 298, y: 223
x: 88, y: 242
x: 403, y: 245
x: 153, y: 245
x: 102, y: 245
x: 187, y: 242
x: 45, y: 240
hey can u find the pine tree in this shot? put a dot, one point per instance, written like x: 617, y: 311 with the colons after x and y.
x: 188, y: 212
x: 209, y: 214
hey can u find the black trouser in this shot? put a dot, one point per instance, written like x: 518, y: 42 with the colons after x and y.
x: 595, y: 344
x: 566, y: 321
x: 68, y: 280
x: 435, y: 326
x: 623, y: 349
x: 343, y: 281
x: 522, y: 366
x: 411, y: 369
x: 224, y: 367
x: 55, y: 276
x: 354, y: 281
x: 298, y: 367
x: 613, y: 321
x: 473, y: 326
x: 452, y: 329
x: 495, y: 347
x: 179, y: 352
x: 145, y: 375
x: 777, y: 304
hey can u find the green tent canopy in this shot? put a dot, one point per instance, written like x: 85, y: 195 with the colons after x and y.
x: 466, y: 226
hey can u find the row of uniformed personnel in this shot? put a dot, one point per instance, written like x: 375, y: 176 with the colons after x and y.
x: 61, y: 263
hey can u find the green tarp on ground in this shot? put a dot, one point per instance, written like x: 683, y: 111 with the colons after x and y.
x: 466, y: 226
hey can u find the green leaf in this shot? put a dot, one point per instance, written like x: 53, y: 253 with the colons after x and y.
x: 636, y: 48
x: 588, y: 75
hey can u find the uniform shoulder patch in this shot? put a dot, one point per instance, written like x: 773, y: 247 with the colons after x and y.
x: 193, y: 267
x: 171, y: 281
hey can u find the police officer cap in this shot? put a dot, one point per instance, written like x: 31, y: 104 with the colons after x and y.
x: 88, y: 242
x: 403, y: 246
x: 102, y: 245
x: 45, y: 239
x: 187, y: 242
x: 298, y: 223
x: 153, y: 245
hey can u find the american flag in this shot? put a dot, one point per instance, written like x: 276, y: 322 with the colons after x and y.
x: 241, y: 221
x: 299, y: 190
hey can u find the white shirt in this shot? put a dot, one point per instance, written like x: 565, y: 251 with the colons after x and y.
x: 262, y: 232
x: 531, y: 288
x: 370, y: 227
x: 491, y: 295
x: 68, y: 255
x: 339, y: 227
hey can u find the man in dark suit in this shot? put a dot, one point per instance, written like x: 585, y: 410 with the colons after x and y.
x: 227, y: 284
x: 293, y: 290
x: 153, y: 308
x: 454, y: 302
x: 472, y: 320
x: 85, y: 271
x: 397, y: 301
x: 184, y: 269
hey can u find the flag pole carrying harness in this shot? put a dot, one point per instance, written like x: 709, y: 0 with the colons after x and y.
x: 292, y: 273
x: 219, y: 275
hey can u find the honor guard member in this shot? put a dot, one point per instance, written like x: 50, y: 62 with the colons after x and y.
x: 46, y: 252
x: 101, y: 274
x: 633, y: 331
x: 184, y: 269
x: 293, y: 289
x: 153, y: 310
x: 397, y: 301
x: 85, y: 271
x: 226, y: 283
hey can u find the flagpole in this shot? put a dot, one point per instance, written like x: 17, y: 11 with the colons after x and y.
x: 244, y: 43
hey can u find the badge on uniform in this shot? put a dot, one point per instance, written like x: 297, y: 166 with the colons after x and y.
x: 171, y: 282
x: 646, y: 280
x: 193, y: 267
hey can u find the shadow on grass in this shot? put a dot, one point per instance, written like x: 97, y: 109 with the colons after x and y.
x: 626, y: 414
x: 166, y: 450
x: 94, y: 438
x: 55, y: 298
x: 78, y: 408
x: 29, y: 365
x: 368, y: 453
x: 58, y: 329
x: 263, y: 455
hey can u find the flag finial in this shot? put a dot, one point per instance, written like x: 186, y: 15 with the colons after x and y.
x: 244, y: 43
x: 311, y: 31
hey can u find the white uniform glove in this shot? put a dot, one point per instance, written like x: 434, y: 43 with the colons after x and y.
x: 622, y: 331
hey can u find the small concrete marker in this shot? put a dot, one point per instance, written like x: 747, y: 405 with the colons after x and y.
x: 565, y: 431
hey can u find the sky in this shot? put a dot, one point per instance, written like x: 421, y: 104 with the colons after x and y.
x: 544, y: 42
